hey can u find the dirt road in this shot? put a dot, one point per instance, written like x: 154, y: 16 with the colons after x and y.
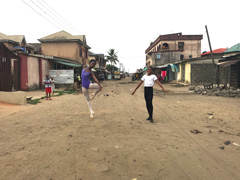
x: 56, y: 140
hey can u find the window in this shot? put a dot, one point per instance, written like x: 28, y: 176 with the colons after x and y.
x: 4, y: 59
x: 80, y: 52
x: 190, y: 56
x: 180, y: 45
x: 181, y: 57
x: 158, y: 56
x: 165, y: 46
x: 86, y: 53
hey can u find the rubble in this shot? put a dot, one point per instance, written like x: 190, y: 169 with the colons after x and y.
x: 216, y: 91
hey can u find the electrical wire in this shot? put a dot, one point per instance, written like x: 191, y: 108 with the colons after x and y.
x: 41, y: 15
x: 61, y: 16
x: 56, y: 18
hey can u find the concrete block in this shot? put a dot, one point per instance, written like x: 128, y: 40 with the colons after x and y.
x: 18, y: 97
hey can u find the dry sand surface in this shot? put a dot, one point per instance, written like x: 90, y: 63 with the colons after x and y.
x: 56, y: 140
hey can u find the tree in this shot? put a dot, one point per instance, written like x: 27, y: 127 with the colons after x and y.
x: 111, y: 67
x: 112, y: 57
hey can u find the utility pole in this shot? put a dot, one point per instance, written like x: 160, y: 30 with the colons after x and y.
x: 214, y: 64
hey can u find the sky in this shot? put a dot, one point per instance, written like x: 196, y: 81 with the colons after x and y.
x: 128, y: 26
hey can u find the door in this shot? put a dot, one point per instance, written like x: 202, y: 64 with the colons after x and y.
x: 5, y: 74
x: 16, y: 81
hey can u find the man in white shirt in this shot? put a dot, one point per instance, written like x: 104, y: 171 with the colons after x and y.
x: 149, y: 80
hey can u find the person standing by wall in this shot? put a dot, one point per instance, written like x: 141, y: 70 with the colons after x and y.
x: 47, y: 82
x: 149, y: 80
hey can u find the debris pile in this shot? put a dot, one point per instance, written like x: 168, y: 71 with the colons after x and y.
x: 217, y: 91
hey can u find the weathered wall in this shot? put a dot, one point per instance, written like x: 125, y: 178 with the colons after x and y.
x: 166, y: 57
x: 69, y: 50
x: 13, y: 97
x: 191, y: 47
x: 179, y: 73
x: 46, y: 66
x: 33, y: 73
x: 24, y: 72
x: 187, y: 73
x: 206, y: 73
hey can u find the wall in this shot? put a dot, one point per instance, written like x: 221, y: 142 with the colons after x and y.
x: 23, y: 72
x: 33, y: 73
x: 13, y: 97
x: 68, y: 50
x: 206, y: 73
x: 46, y: 66
x: 179, y: 77
x: 166, y: 58
x: 188, y: 73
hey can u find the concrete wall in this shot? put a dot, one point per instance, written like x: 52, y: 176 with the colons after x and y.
x: 33, y: 73
x: 18, y: 97
x: 46, y: 66
x: 166, y: 58
x: 68, y: 50
x: 187, y: 73
x: 206, y: 73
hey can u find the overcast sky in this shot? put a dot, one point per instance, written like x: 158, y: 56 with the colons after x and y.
x: 128, y: 26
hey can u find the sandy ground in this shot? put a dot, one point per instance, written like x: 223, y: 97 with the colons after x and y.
x: 56, y: 140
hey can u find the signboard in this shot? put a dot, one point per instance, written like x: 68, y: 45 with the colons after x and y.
x: 62, y: 76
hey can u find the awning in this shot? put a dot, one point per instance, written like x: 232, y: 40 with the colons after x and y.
x: 174, y: 68
x: 163, y: 66
x: 68, y: 63
x: 228, y: 63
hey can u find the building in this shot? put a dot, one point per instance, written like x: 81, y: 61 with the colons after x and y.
x: 9, y: 69
x: 231, y: 61
x: 171, y: 49
x: 16, y: 43
x: 100, y: 64
x: 65, y: 45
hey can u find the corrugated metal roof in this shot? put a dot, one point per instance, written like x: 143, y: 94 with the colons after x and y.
x: 215, y: 51
x: 234, y: 48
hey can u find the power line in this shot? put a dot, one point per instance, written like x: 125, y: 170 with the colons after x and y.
x: 60, y: 21
x: 61, y: 16
x: 40, y: 14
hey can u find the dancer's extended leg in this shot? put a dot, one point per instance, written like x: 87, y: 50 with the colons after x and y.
x: 86, y: 94
x: 94, y: 86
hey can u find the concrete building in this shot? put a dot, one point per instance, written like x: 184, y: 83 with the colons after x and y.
x: 171, y: 49
x: 65, y: 45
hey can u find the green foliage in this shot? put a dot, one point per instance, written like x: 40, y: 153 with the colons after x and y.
x: 111, y: 67
x: 112, y: 56
x: 66, y: 91
x: 34, y: 102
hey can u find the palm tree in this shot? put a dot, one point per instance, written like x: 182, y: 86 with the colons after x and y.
x: 112, y: 57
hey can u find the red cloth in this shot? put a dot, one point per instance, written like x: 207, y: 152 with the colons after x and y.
x: 164, y: 73
x: 48, y: 90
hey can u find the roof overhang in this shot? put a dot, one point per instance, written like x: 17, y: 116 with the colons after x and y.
x: 228, y: 63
